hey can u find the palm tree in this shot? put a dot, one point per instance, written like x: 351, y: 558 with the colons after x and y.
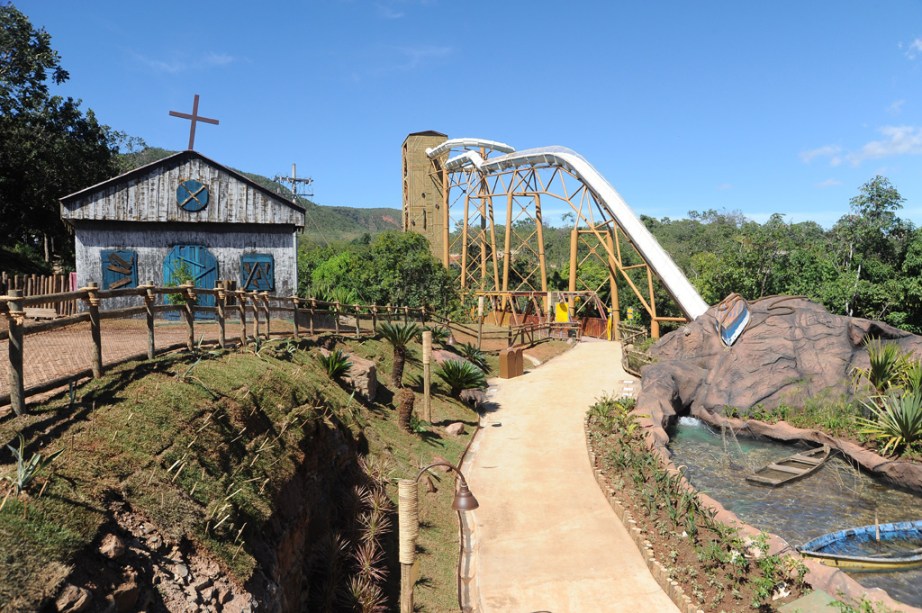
x: 399, y: 336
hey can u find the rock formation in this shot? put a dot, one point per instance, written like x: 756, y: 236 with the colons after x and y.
x: 791, y: 350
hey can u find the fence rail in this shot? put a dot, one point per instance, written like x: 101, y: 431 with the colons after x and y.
x: 68, y: 348
x: 43, y: 285
x: 633, y: 358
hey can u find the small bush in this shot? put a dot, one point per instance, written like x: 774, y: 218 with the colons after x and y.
x: 460, y: 375
x: 440, y: 334
x: 896, y: 422
x: 473, y: 355
x: 27, y: 471
x: 335, y: 364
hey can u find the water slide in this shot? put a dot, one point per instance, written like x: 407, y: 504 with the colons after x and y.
x: 676, y: 283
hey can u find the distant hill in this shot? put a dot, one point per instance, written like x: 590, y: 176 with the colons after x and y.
x: 324, y: 224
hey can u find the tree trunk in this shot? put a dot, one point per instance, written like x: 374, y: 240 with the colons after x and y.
x: 400, y: 356
x: 405, y: 400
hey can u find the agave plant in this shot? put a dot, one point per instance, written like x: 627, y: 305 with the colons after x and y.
x: 461, y: 375
x: 26, y: 471
x: 440, y: 334
x: 474, y: 355
x: 335, y: 364
x: 887, y: 365
x: 399, y: 335
x: 896, y: 421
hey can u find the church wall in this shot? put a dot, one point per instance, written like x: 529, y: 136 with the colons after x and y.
x: 152, y: 243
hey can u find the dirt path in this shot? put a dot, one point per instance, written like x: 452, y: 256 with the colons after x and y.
x: 545, y: 537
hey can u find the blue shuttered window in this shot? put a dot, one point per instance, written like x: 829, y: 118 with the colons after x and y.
x: 257, y: 272
x: 119, y: 268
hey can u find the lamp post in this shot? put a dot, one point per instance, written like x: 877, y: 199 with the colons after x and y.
x: 408, y: 525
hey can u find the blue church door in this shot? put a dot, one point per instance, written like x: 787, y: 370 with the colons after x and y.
x: 194, y: 263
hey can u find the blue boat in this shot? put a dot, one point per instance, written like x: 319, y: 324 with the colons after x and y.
x: 878, y: 547
x: 732, y: 318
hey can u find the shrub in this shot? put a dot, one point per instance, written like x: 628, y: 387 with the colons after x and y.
x: 335, y: 364
x: 460, y: 375
x: 896, y: 421
x: 887, y: 365
x: 440, y: 334
x: 27, y: 471
x: 474, y: 355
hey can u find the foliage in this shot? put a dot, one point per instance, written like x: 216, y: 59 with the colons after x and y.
x: 473, y: 355
x: 896, y: 421
x: 460, y: 375
x: 395, y: 268
x: 440, y: 334
x: 887, y: 365
x: 48, y: 146
x: 335, y: 364
x: 26, y: 471
x: 398, y: 335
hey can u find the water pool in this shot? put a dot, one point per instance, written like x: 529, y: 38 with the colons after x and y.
x: 836, y: 497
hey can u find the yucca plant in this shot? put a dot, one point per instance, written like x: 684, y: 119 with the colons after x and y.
x: 912, y: 376
x: 887, y: 365
x: 440, y: 334
x: 474, y: 355
x: 27, y: 471
x: 335, y: 364
x: 460, y: 375
x: 896, y: 421
x: 399, y: 335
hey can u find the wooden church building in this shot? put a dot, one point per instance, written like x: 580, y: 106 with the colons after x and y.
x: 184, y: 217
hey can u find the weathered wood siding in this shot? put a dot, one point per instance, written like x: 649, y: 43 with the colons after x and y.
x: 149, y: 195
x: 152, y: 242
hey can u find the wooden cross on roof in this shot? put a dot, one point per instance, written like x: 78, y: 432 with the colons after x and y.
x: 194, y: 117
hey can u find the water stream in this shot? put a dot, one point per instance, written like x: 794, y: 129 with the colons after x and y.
x: 836, y: 497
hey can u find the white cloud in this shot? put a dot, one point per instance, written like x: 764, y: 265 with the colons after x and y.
x: 178, y: 63
x: 896, y: 107
x: 898, y: 140
x: 724, y: 187
x: 914, y: 49
x: 833, y: 152
x: 829, y: 183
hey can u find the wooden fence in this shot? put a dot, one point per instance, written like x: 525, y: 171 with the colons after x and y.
x: 38, y: 285
x: 238, y: 317
x: 632, y: 358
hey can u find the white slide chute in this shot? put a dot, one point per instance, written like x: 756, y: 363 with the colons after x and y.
x: 676, y: 283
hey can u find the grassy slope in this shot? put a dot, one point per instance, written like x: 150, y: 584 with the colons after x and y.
x: 132, y: 426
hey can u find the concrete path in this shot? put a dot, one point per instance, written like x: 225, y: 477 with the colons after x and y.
x: 545, y: 537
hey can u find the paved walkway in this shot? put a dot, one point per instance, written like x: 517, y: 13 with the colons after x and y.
x: 546, y: 538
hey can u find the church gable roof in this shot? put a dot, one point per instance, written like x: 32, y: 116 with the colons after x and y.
x: 170, y: 190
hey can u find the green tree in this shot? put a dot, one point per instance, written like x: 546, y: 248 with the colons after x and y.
x: 48, y: 146
x: 399, y: 335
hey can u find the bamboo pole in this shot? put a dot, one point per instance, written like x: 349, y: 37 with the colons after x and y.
x: 16, y: 315
x: 427, y: 376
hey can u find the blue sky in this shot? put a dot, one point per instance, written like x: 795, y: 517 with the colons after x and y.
x: 767, y: 107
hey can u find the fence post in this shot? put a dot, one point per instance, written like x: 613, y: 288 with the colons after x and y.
x: 427, y: 375
x: 189, y: 296
x: 310, y: 322
x: 149, y: 298
x: 374, y: 319
x: 242, y: 307
x: 252, y: 297
x: 92, y: 299
x: 294, y: 304
x: 16, y: 316
x: 406, y: 314
x: 220, y: 298
x: 264, y: 296
x: 335, y: 306
x: 358, y: 330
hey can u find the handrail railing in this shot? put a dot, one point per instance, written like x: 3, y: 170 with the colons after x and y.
x: 257, y: 313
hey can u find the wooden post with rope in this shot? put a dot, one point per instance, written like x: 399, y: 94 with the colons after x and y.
x: 408, y: 531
